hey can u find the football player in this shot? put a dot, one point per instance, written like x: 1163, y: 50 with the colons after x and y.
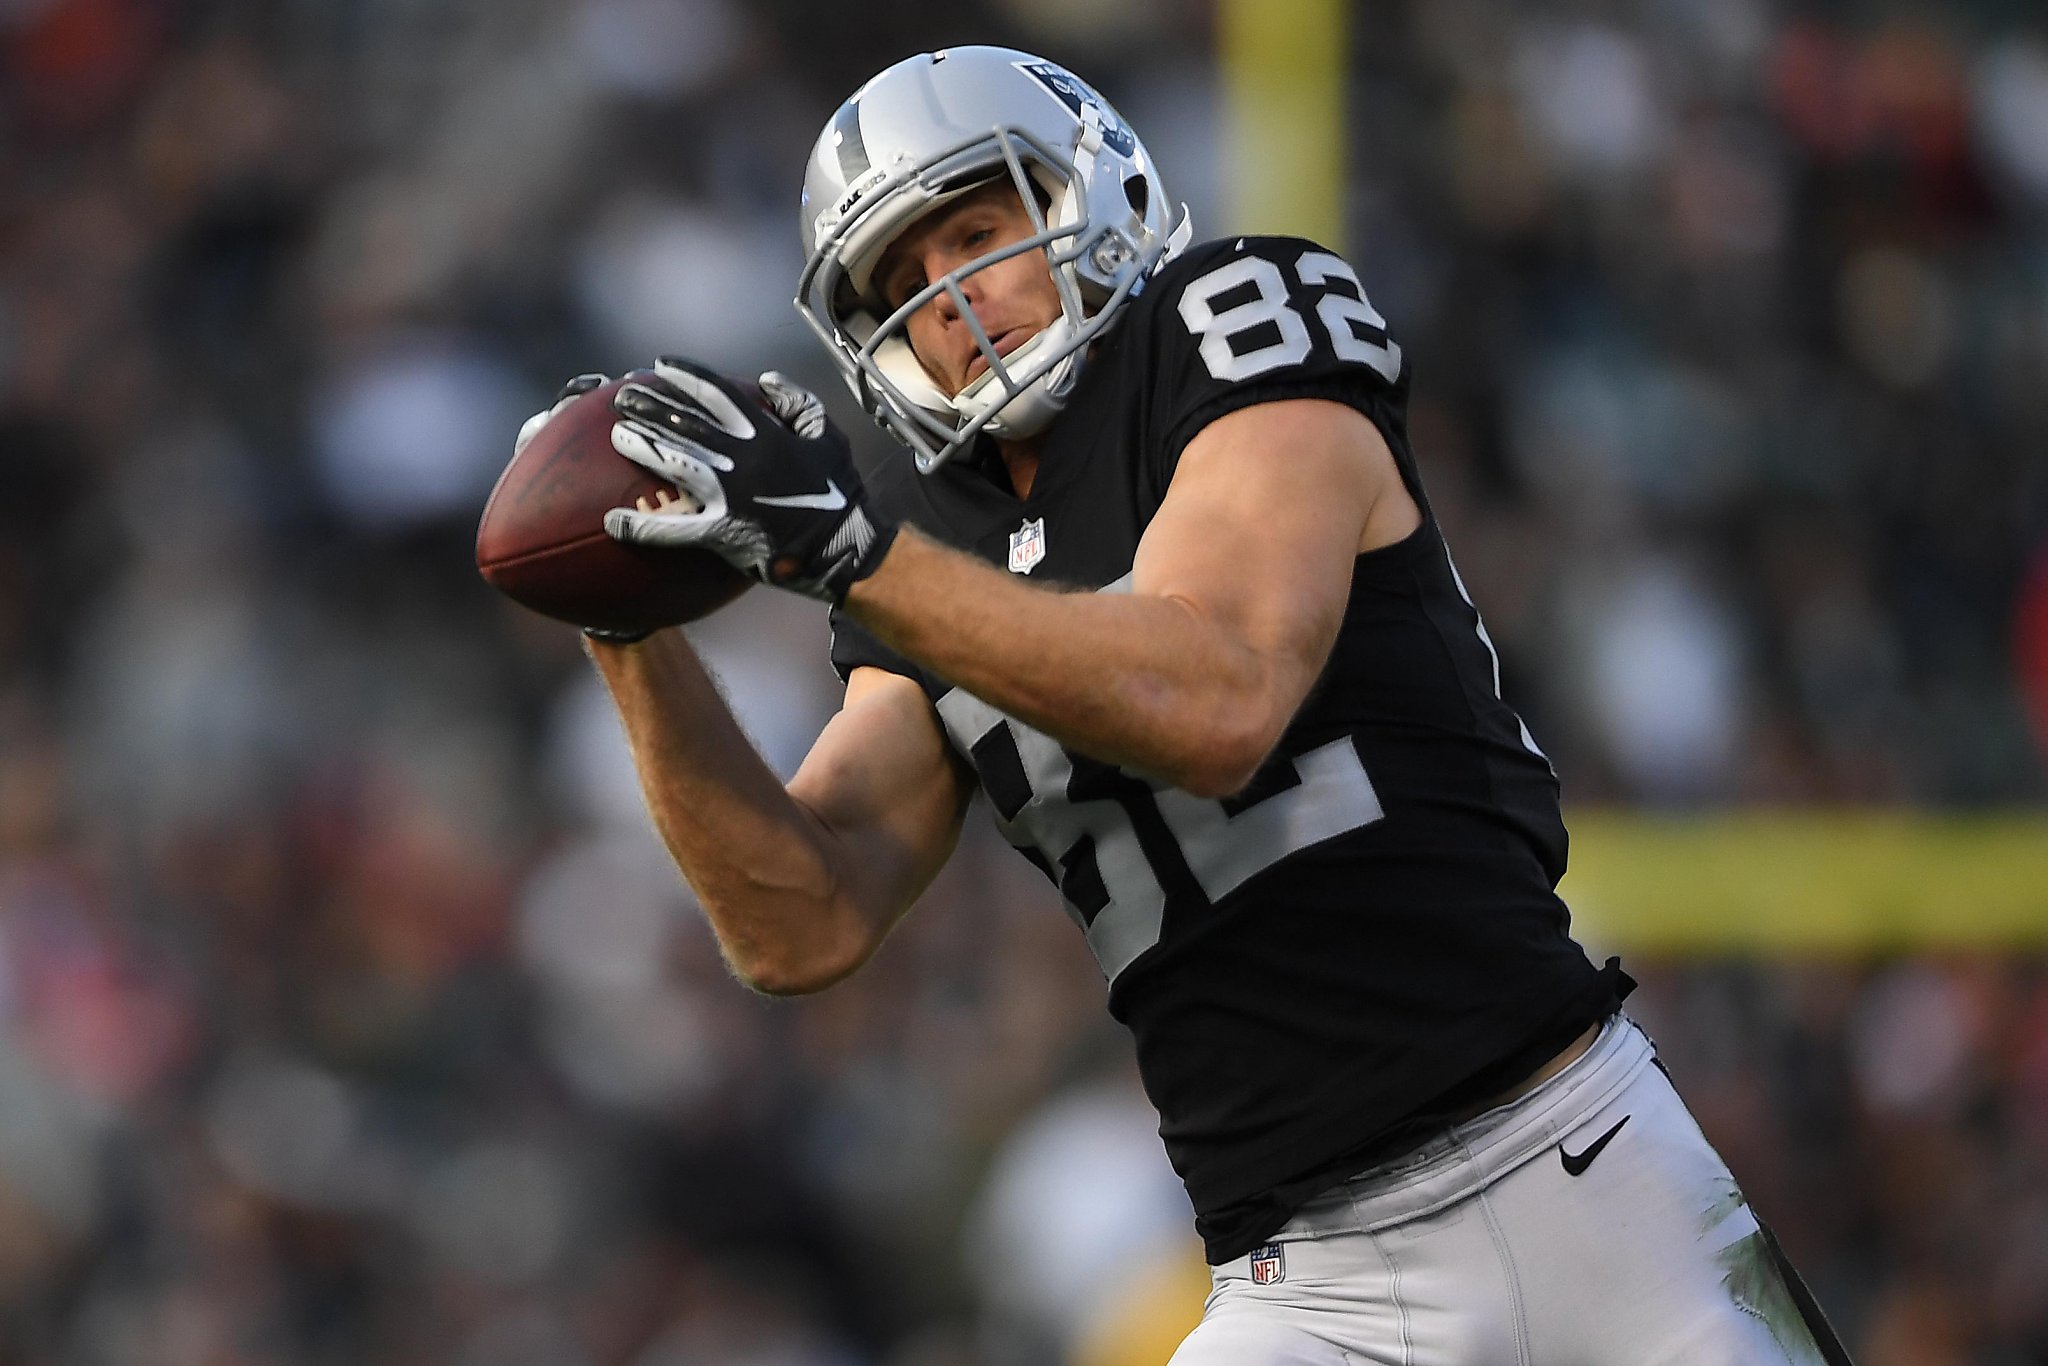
x: 1159, y: 576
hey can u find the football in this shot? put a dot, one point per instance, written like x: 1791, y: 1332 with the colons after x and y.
x: 542, y: 540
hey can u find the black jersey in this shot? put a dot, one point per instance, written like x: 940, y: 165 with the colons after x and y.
x: 1366, y: 938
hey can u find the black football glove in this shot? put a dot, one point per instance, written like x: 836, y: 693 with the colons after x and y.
x: 575, y: 388
x: 775, y: 489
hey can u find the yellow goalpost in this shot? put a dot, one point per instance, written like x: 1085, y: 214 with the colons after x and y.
x: 1283, y: 79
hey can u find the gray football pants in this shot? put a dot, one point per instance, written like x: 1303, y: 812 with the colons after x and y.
x: 1588, y: 1223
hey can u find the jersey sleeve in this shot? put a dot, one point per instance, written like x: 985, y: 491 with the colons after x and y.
x: 1251, y: 320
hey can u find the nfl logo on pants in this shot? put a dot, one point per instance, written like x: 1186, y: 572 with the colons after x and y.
x: 1267, y: 1267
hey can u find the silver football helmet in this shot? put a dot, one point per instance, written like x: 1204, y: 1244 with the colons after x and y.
x: 919, y: 135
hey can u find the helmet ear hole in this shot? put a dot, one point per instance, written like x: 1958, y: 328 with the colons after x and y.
x: 1139, y: 192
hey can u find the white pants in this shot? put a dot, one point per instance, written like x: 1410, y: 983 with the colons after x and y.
x: 1483, y: 1248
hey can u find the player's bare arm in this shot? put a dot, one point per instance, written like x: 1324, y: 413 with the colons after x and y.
x: 799, y: 883
x: 1237, y: 591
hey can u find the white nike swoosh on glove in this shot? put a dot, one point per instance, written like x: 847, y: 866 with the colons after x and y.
x: 831, y: 500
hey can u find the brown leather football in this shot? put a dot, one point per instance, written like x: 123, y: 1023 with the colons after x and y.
x: 542, y: 540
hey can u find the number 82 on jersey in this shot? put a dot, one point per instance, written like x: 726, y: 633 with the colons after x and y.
x: 1355, y: 328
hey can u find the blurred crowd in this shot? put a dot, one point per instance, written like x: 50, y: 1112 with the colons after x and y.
x: 350, y: 1013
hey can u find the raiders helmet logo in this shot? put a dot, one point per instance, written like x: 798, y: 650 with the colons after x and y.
x: 1077, y: 96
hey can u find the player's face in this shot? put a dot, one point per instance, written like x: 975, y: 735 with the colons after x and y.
x: 1013, y: 300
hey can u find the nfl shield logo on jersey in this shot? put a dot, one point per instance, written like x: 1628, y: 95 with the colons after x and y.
x: 1267, y: 1266
x: 1027, y: 546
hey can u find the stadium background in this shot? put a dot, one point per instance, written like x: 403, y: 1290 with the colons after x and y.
x: 348, y: 1012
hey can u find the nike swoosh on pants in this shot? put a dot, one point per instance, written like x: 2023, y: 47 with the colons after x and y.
x: 1576, y: 1163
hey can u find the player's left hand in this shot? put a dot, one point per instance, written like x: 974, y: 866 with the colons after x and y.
x: 775, y: 486
x: 574, y: 389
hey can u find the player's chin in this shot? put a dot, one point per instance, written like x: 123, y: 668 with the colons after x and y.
x: 1007, y: 343
x: 977, y: 366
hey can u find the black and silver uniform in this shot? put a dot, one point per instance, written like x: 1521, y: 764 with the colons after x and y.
x: 1320, y: 969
